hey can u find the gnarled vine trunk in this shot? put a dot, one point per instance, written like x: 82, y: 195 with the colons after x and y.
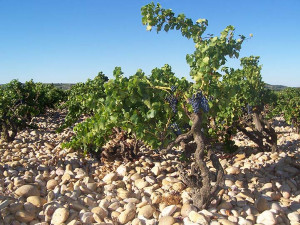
x: 8, y: 130
x: 200, y: 179
x: 262, y: 130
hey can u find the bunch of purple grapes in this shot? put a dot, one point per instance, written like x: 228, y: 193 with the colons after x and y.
x: 198, y: 101
x: 173, y: 101
x: 247, y: 109
x: 173, y: 88
x: 175, y: 128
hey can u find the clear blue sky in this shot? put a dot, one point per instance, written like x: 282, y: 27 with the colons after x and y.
x: 67, y: 41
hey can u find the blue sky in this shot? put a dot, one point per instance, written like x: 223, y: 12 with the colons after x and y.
x: 67, y: 41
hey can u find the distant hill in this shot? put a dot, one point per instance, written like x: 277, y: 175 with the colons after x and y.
x: 66, y: 86
x: 276, y: 87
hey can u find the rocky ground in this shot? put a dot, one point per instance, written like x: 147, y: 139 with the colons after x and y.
x: 41, y: 183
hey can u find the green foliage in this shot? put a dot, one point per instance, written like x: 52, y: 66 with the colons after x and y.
x: 136, y: 105
x: 20, y: 102
x: 84, y: 99
x: 288, y: 105
x: 243, y: 92
x: 207, y: 60
x: 210, y: 52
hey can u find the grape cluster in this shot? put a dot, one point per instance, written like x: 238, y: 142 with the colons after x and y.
x: 247, y: 109
x: 199, y: 101
x: 172, y: 100
x: 173, y: 88
x: 175, y: 128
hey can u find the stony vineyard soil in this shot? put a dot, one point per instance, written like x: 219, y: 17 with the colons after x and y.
x: 41, y: 183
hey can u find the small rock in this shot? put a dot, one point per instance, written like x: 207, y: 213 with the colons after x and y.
x: 65, y: 178
x: 109, y: 178
x: 168, y: 211
x: 178, y: 187
x: 266, y: 218
x: 123, y: 194
x: 233, y: 170
x: 114, y: 206
x: 240, y: 157
x: 225, y: 205
x: 27, y: 190
x: 59, y: 216
x: 226, y: 222
x: 25, y: 216
x: 147, y: 211
x: 294, y: 217
x: 97, y: 218
x: 121, y: 170
x: 126, y: 216
x: 36, y: 201
x: 186, y: 209
x: 166, y: 220
x: 261, y: 204
x: 156, y: 170
x: 100, y: 211
x: 140, y: 183
x: 137, y: 221
x: 87, y: 218
x: 243, y: 221
x: 198, y: 218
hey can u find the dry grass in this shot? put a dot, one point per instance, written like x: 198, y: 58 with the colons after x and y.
x: 173, y: 198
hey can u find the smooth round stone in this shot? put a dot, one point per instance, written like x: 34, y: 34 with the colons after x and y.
x: 156, y: 170
x: 261, y: 204
x: 178, y: 187
x: 225, y: 205
x: 166, y: 220
x: 122, y: 170
x: 233, y: 170
x: 25, y: 216
x: 27, y: 190
x: 233, y: 219
x: 92, y: 186
x: 229, y: 183
x: 243, y: 221
x: 198, y: 218
x: 114, y: 206
x: 109, y: 178
x: 135, y: 177
x: 294, y: 217
x: 240, y: 184
x: 226, y: 222
x: 137, y: 221
x: 100, y: 211
x: 140, y: 183
x: 169, y: 210
x: 14, y: 207
x: 36, y: 201
x: 186, y: 209
x: 87, y: 218
x: 60, y: 171
x: 59, y: 216
x: 130, y: 206
x: 266, y: 218
x: 97, y: 218
x: 126, y: 216
x: 123, y: 194
x: 90, y: 202
x: 147, y: 211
